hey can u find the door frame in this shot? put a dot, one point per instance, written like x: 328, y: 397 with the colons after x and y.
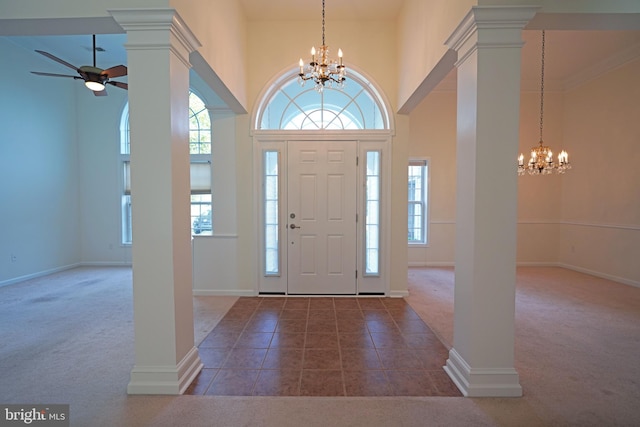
x: 277, y: 141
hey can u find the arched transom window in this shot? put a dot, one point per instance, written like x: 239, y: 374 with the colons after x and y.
x: 289, y: 106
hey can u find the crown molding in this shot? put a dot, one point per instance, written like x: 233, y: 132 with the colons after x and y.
x: 583, y: 76
x: 598, y: 69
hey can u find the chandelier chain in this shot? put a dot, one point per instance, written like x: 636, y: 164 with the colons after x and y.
x: 323, y: 43
x: 322, y: 70
x: 541, y: 161
x: 542, y: 89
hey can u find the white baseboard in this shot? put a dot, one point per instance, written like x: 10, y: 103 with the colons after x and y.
x: 37, y: 274
x: 485, y: 382
x: 165, y: 379
x: 537, y: 264
x: 224, y: 293
x: 106, y: 264
x: 430, y: 264
x: 606, y: 276
x: 613, y: 278
x: 398, y: 294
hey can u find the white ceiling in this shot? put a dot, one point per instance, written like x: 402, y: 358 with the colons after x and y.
x: 568, y: 53
x: 286, y: 10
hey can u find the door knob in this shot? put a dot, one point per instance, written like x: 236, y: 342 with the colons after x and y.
x: 293, y: 226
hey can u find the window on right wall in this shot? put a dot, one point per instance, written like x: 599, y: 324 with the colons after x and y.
x: 418, y: 192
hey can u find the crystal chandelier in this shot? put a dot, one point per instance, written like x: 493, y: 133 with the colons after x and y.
x: 321, y: 69
x: 541, y: 161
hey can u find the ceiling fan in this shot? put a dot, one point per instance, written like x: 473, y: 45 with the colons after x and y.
x: 94, y: 78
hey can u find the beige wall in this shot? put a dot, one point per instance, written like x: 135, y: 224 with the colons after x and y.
x: 601, y: 195
x: 423, y: 28
x: 276, y: 46
x: 433, y: 135
x: 269, y: 57
x: 587, y: 219
x: 594, y: 208
x: 539, y: 196
x: 400, y: 146
x: 247, y: 243
x: 221, y: 28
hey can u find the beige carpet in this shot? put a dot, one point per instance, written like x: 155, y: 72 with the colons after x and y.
x: 577, y: 345
x: 68, y: 338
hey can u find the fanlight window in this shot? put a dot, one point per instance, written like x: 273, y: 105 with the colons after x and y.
x: 289, y: 106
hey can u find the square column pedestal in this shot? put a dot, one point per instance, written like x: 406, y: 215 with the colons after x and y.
x: 488, y: 42
x: 158, y: 47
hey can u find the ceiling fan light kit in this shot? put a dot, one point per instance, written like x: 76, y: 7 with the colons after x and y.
x: 94, y: 78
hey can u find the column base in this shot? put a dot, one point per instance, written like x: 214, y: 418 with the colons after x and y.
x: 166, y: 379
x: 488, y: 382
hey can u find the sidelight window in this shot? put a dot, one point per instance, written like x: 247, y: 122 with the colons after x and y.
x: 270, y: 201
x: 372, y: 214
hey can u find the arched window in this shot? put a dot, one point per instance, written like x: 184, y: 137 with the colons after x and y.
x: 200, y: 152
x: 199, y: 126
x: 289, y: 106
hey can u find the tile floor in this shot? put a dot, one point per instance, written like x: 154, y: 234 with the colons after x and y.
x: 322, y: 347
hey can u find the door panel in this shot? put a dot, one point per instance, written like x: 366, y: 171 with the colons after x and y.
x: 321, y: 231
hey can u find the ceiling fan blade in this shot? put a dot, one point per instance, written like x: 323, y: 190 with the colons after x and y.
x: 55, y: 58
x: 120, y: 85
x: 55, y: 75
x: 117, y: 71
x: 100, y: 92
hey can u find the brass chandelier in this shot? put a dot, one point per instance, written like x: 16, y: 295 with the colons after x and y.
x: 541, y: 161
x: 322, y: 70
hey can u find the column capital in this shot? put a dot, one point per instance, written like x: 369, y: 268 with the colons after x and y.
x: 504, y: 25
x: 144, y: 29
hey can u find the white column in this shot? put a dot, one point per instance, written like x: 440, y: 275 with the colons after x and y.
x: 158, y: 47
x: 488, y: 42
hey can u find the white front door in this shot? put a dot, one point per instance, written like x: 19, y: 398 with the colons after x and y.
x: 321, y: 228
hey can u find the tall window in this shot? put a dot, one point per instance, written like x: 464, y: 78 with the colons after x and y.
x: 200, y: 151
x: 417, y: 199
x: 125, y: 199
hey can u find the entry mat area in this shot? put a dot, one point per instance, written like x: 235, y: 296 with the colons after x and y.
x: 307, y: 346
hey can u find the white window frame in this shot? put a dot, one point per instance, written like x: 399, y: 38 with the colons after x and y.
x: 424, y: 163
